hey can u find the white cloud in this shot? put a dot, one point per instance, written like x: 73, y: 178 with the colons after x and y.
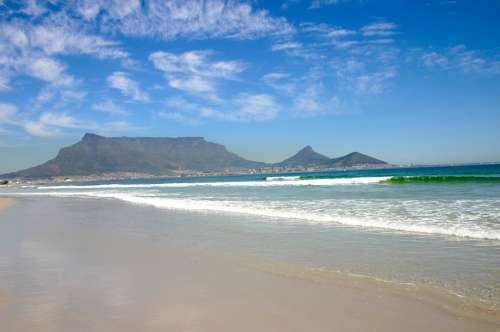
x: 316, y: 4
x: 58, y: 120
x: 374, y: 83
x: 108, y: 106
x: 286, y: 46
x: 195, y: 63
x: 257, y: 107
x: 4, y: 81
x: 39, y: 129
x: 49, y: 70
x: 379, y: 29
x: 66, y: 39
x: 197, y: 19
x: 194, y: 84
x: 31, y: 7
x: 340, y: 32
x: 193, y: 72
x: 6, y: 112
x: 281, y: 82
x: 181, y: 110
x: 307, y: 103
x: 459, y: 58
x: 245, y: 107
x: 128, y: 87
x: 49, y: 123
x: 118, y: 126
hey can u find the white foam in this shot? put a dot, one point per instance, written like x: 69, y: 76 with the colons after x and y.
x: 282, y: 178
x: 290, y: 214
x: 271, y: 183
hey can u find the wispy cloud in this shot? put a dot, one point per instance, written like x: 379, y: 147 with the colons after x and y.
x: 49, y: 124
x: 258, y: 107
x: 7, y: 111
x: 195, y: 19
x: 109, y: 107
x: 281, y: 82
x: 460, y: 58
x: 242, y: 108
x: 379, y: 29
x: 194, y: 72
x: 286, y: 46
x: 49, y: 70
x: 128, y: 87
x: 316, y: 4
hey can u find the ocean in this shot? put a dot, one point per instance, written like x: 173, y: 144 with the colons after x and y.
x: 432, y: 226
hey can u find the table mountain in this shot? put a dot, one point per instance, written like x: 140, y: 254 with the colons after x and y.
x: 94, y: 155
x: 97, y: 154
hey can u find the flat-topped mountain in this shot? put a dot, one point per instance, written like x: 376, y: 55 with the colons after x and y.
x: 95, y: 155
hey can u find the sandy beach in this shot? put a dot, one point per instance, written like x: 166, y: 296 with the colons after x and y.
x: 6, y: 202
x: 65, y: 268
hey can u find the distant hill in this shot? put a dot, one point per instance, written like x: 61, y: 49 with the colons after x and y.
x: 305, y: 157
x: 355, y: 159
x: 97, y: 154
x: 308, y: 157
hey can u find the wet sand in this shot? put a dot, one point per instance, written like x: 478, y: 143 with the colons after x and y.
x: 6, y: 202
x: 63, y: 268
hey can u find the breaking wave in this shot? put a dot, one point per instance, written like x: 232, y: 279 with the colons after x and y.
x: 443, y: 179
x: 278, y: 181
x: 299, y: 212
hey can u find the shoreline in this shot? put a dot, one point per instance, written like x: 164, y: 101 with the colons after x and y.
x: 119, y: 176
x: 226, y: 291
x: 188, y: 174
x: 441, y: 299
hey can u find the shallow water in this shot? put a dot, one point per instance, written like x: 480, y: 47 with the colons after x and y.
x: 443, y: 232
x: 105, y: 265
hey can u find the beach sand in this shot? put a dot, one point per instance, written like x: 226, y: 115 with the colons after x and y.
x: 66, y: 272
x: 6, y: 202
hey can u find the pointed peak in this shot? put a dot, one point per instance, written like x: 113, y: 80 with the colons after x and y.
x: 307, y: 148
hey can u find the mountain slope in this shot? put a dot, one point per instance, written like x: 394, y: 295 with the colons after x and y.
x: 308, y: 157
x: 355, y: 159
x: 97, y: 154
x: 305, y: 157
x: 94, y: 155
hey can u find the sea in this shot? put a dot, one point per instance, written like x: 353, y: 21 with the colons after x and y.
x: 437, y: 226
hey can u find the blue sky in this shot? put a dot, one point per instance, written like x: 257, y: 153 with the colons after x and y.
x: 404, y: 81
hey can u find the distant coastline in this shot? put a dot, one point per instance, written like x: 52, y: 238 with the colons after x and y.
x: 186, y: 174
x: 182, y: 174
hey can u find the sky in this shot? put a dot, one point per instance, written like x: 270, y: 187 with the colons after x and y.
x: 403, y: 81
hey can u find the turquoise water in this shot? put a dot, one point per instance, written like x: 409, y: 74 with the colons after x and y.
x: 462, y: 202
x: 433, y: 225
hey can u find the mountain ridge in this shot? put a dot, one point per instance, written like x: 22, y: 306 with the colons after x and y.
x: 95, y: 154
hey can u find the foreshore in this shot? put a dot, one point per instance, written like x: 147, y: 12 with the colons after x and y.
x: 108, y: 266
x: 6, y: 202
